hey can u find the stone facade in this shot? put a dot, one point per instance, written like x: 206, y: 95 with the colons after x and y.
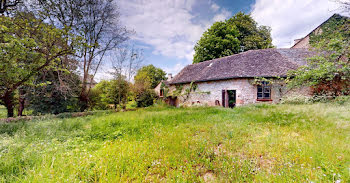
x: 303, y: 43
x: 210, y: 93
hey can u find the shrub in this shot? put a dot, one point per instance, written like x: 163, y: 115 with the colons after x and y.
x: 145, y: 98
x: 342, y: 100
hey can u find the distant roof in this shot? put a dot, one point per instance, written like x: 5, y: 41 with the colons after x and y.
x: 253, y: 63
x: 333, y: 16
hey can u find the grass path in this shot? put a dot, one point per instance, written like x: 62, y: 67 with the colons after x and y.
x: 264, y: 143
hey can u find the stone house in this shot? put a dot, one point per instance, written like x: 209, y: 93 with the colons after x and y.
x: 231, y: 81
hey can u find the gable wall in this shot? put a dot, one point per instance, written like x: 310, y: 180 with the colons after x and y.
x: 304, y: 43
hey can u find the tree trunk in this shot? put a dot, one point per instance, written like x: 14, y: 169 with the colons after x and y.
x: 83, y: 99
x: 21, y: 106
x: 8, y: 101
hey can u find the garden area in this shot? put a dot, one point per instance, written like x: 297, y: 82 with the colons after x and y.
x: 261, y: 143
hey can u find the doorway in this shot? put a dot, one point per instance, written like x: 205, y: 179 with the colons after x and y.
x: 229, y: 98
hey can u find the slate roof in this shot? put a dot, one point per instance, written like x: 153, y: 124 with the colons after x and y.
x: 253, y: 63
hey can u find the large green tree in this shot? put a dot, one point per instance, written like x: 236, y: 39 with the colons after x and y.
x: 146, y: 79
x: 328, y: 73
x: 27, y: 46
x: 149, y: 76
x: 237, y: 34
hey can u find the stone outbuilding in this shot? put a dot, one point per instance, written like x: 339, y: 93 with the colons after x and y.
x: 245, y: 78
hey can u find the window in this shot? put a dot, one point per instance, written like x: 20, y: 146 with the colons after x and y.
x: 264, y: 91
x: 161, y: 93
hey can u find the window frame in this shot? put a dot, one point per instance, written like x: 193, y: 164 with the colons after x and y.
x: 264, y: 90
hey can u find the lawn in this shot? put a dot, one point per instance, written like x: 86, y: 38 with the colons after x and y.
x: 263, y: 143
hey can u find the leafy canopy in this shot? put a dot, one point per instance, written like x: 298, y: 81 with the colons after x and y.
x: 149, y: 76
x: 237, y: 34
x: 113, y: 92
x: 27, y: 46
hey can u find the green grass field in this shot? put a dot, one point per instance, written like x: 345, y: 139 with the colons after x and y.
x: 263, y: 143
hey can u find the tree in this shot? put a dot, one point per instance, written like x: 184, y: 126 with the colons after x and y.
x: 114, y: 92
x: 4, y: 5
x: 237, y: 34
x: 146, y: 79
x: 328, y: 73
x: 26, y: 49
x: 125, y: 63
x: 149, y: 76
x: 54, y: 92
x: 344, y: 5
x: 119, y: 92
x: 97, y: 22
x: 99, y: 96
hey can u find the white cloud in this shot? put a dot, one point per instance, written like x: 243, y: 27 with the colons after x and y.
x: 215, y: 7
x: 176, y: 69
x: 292, y: 19
x: 168, y: 26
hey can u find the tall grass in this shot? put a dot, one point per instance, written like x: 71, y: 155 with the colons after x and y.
x: 264, y: 143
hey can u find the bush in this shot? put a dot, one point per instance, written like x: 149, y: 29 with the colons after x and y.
x: 145, y: 98
x: 342, y: 100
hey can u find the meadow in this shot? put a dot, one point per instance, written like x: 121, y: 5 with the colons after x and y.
x: 261, y: 143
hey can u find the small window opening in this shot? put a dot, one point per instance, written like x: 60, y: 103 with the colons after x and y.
x: 161, y: 93
x: 264, y: 91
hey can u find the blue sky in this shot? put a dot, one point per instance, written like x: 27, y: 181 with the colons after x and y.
x: 167, y: 30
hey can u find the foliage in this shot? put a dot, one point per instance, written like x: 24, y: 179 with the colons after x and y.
x: 149, y: 77
x: 54, y: 93
x: 98, y: 22
x: 146, y: 79
x: 145, y: 98
x: 27, y: 46
x: 109, y: 93
x: 237, y: 34
x: 119, y: 92
x: 262, y: 143
x: 166, y: 90
x: 328, y: 72
x: 99, y: 96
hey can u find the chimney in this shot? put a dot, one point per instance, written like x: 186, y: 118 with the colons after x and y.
x: 170, y: 77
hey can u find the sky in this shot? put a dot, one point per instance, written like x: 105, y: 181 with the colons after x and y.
x: 167, y: 30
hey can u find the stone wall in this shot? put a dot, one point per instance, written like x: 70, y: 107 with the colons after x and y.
x: 304, y: 43
x: 157, y: 88
x: 209, y: 93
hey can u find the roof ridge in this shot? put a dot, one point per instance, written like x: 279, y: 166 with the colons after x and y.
x: 241, y: 53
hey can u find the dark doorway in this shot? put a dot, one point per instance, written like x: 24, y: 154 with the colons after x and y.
x: 229, y: 98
